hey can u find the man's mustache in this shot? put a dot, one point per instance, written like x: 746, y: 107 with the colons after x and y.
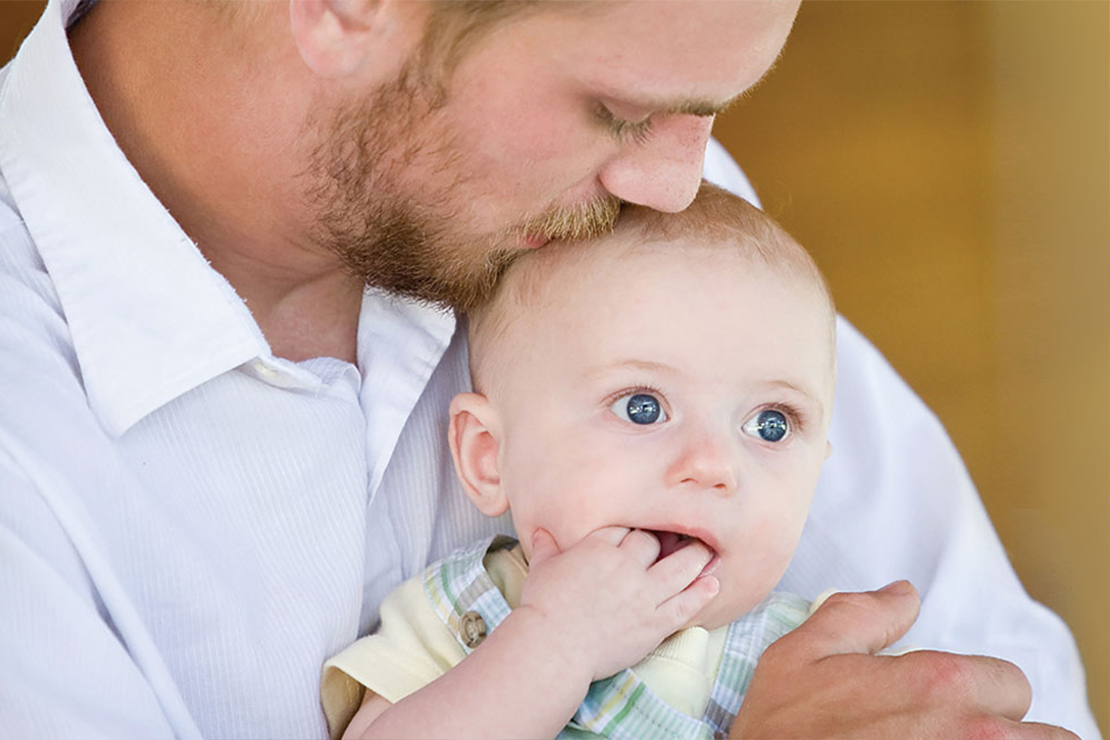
x: 590, y: 219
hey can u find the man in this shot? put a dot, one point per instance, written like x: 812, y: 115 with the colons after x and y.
x: 218, y: 451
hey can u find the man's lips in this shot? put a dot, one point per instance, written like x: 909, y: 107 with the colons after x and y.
x: 534, y: 241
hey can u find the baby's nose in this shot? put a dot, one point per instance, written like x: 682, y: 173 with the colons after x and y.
x: 705, y: 463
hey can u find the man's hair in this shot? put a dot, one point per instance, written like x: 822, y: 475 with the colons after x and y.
x: 716, y: 220
x: 455, y: 27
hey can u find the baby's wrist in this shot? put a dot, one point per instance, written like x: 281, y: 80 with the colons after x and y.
x: 542, y: 637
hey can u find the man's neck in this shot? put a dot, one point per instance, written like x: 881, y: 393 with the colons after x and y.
x: 209, y: 110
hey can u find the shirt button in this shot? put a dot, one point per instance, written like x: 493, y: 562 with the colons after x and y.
x: 263, y: 371
x: 472, y: 629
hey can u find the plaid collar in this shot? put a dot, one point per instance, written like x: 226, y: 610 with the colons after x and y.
x: 621, y: 707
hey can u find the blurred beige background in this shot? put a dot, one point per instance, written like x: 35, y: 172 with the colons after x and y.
x: 949, y: 165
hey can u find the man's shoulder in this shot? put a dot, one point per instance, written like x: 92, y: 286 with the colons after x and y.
x: 867, y: 384
x: 10, y: 219
x: 28, y: 301
x: 40, y: 374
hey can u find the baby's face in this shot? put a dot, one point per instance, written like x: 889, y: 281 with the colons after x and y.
x: 682, y: 391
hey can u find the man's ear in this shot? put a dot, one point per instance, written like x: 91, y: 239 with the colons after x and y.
x: 474, y: 440
x: 337, y: 38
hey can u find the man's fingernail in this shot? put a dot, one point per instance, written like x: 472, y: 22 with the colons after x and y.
x: 898, y: 588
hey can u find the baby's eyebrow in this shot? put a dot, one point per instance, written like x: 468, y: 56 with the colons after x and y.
x: 803, y: 391
x: 630, y: 364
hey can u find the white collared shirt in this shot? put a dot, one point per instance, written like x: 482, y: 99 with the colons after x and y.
x: 190, y: 526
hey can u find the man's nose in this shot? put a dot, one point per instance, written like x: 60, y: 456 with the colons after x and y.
x: 705, y: 462
x: 664, y: 171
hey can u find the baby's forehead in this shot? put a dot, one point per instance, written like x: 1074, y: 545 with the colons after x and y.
x: 583, y: 272
x: 565, y: 282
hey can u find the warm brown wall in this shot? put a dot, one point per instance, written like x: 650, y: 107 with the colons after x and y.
x: 16, y: 19
x: 948, y: 164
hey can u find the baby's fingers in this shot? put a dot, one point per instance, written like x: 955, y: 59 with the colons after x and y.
x: 679, y: 569
x: 610, y: 535
x: 544, y: 547
x: 643, y: 546
x: 677, y: 611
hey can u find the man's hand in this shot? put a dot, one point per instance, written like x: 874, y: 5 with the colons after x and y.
x: 823, y: 680
x: 607, y: 601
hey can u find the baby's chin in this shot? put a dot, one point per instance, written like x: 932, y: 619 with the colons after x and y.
x: 712, y: 617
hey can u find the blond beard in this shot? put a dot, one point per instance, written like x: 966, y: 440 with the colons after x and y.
x: 393, y: 242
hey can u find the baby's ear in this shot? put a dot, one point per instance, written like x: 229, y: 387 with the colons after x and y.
x: 474, y: 440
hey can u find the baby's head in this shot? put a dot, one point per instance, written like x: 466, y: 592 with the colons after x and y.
x: 675, y: 376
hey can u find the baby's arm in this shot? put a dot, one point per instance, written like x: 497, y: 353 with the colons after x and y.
x: 585, y: 613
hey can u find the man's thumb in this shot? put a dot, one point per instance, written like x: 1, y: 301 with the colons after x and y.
x: 859, y: 622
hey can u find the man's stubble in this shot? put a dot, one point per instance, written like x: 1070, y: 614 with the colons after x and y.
x: 408, y: 243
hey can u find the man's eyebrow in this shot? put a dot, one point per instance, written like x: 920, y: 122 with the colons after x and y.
x: 687, y: 106
x: 703, y: 108
x: 683, y: 106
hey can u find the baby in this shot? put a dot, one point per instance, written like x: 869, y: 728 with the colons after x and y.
x: 652, y: 408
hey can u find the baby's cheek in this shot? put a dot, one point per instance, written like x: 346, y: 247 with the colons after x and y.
x: 555, y: 502
x: 769, y: 542
x: 784, y: 511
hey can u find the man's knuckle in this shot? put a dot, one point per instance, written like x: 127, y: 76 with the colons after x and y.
x: 988, y: 727
x: 1013, y: 676
x: 777, y: 653
x: 945, y: 676
x: 851, y: 604
x: 845, y: 599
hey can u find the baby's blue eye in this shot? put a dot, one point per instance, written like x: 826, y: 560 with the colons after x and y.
x: 769, y: 425
x: 639, y: 408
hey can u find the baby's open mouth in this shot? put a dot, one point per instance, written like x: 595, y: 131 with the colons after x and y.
x: 672, y: 542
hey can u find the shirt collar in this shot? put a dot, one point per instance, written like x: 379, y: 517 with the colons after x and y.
x: 149, y: 318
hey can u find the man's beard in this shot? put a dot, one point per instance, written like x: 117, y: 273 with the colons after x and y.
x: 392, y: 241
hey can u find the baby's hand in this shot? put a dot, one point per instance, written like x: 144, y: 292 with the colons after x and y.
x: 606, y: 601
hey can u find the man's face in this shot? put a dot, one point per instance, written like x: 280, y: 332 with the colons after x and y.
x: 548, y: 122
x: 680, y: 390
